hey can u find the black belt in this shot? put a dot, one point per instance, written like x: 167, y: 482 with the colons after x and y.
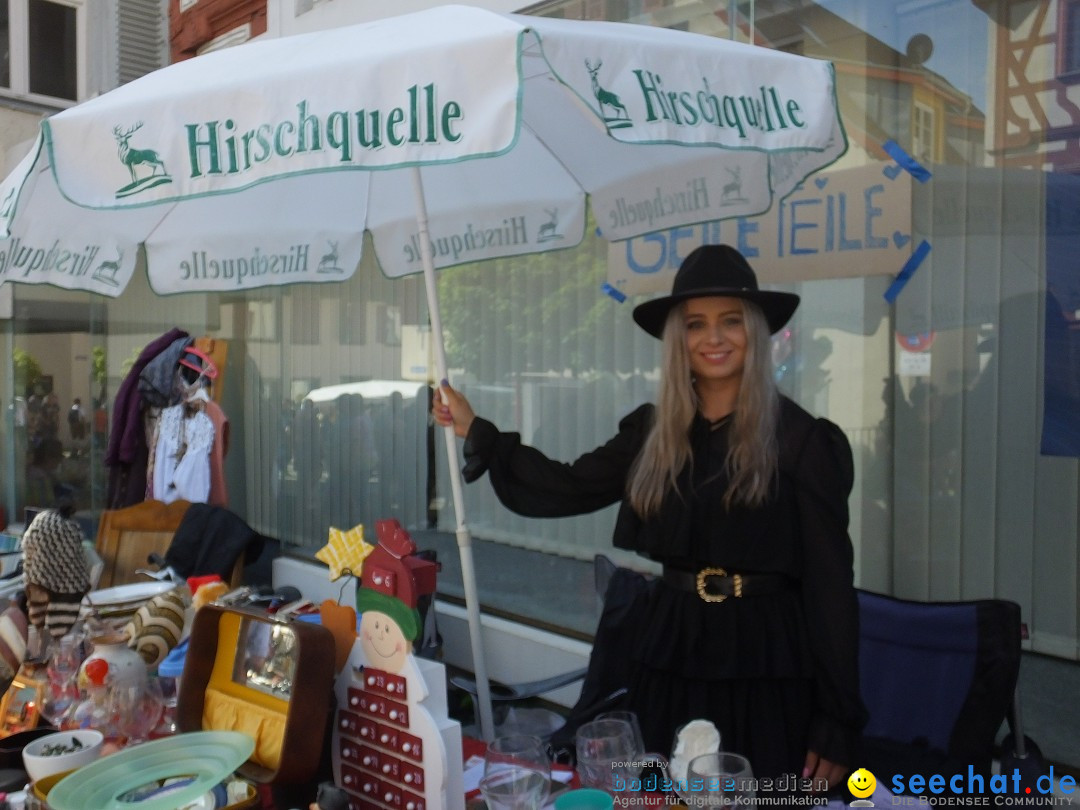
x: 716, y: 584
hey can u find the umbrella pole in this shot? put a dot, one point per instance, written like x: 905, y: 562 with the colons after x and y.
x: 464, y: 538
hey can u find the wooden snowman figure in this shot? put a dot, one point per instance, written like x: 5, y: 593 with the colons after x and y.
x: 388, y: 750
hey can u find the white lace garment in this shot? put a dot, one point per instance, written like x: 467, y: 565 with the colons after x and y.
x: 182, y: 456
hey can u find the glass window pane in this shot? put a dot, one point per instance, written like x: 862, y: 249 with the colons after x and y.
x: 304, y: 303
x: 51, y: 50
x: 927, y: 408
x: 1071, y: 38
x: 5, y: 46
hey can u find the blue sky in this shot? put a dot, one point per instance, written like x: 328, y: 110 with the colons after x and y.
x: 958, y: 29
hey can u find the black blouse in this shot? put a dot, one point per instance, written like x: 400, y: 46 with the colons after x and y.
x: 810, y: 631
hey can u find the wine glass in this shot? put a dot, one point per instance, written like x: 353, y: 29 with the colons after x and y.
x: 517, y: 773
x: 635, y: 726
x: 64, y: 660
x: 169, y: 689
x: 605, y: 751
x: 58, y: 702
x: 721, y: 779
x: 611, y: 756
x: 61, y: 692
x: 136, y: 709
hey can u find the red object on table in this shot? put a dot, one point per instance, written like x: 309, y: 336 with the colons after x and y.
x: 194, y: 583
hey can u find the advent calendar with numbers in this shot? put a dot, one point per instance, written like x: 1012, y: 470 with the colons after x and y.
x: 394, y: 745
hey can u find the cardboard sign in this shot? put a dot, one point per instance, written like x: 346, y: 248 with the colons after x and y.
x: 838, y: 224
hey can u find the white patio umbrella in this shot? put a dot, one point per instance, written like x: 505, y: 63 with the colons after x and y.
x: 452, y: 135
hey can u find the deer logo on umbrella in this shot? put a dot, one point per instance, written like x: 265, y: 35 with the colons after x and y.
x: 613, y: 110
x: 549, y: 230
x: 105, y: 273
x: 732, y: 191
x: 131, y: 157
x: 329, y: 262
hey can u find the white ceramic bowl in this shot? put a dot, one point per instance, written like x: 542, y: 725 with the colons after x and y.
x: 39, y: 766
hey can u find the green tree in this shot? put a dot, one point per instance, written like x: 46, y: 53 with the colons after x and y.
x: 129, y: 361
x: 534, y: 314
x: 99, y: 369
x: 27, y: 372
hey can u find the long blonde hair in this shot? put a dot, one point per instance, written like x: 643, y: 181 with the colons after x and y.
x: 752, y: 450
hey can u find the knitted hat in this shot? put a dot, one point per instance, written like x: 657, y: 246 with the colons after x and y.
x: 53, y: 555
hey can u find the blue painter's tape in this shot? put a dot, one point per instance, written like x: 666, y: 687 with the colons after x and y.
x: 615, y: 293
x: 907, y: 271
x: 907, y: 162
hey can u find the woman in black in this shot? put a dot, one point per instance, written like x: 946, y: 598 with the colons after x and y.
x: 742, y: 495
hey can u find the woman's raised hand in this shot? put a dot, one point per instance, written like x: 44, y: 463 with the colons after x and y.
x: 450, y: 408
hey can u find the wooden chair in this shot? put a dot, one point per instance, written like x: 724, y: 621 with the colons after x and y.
x: 126, y: 537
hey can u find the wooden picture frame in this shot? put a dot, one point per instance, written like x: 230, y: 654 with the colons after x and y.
x: 20, y: 707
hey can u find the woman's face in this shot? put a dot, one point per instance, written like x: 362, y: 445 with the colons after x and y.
x: 715, y: 338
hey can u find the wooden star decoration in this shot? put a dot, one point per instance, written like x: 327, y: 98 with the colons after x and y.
x: 345, y: 551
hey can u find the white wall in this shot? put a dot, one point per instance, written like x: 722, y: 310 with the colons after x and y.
x: 281, y: 20
x: 18, y: 129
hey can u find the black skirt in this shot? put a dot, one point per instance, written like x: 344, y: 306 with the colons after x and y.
x: 742, y: 663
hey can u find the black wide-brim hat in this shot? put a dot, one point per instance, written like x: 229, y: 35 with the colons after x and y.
x: 722, y: 271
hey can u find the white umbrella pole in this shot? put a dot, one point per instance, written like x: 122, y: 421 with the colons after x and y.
x: 464, y: 538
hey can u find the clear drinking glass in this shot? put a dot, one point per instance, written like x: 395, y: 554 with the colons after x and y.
x: 58, y: 702
x: 611, y: 755
x: 65, y: 656
x: 169, y: 691
x: 61, y: 693
x: 635, y: 725
x: 605, y: 749
x: 517, y: 773
x: 136, y: 709
x: 720, y: 780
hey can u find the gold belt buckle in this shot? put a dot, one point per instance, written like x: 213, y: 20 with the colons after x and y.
x: 715, y: 572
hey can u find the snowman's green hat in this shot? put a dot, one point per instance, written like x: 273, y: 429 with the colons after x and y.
x: 407, y: 618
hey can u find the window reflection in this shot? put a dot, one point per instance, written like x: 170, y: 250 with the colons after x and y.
x: 268, y: 659
x: 5, y: 47
x: 943, y: 394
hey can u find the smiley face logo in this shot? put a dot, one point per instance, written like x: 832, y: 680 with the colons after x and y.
x: 861, y: 783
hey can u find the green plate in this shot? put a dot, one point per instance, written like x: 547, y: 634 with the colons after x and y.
x: 207, y: 757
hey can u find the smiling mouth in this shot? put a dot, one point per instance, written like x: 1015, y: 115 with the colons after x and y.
x: 381, y: 653
x: 375, y: 646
